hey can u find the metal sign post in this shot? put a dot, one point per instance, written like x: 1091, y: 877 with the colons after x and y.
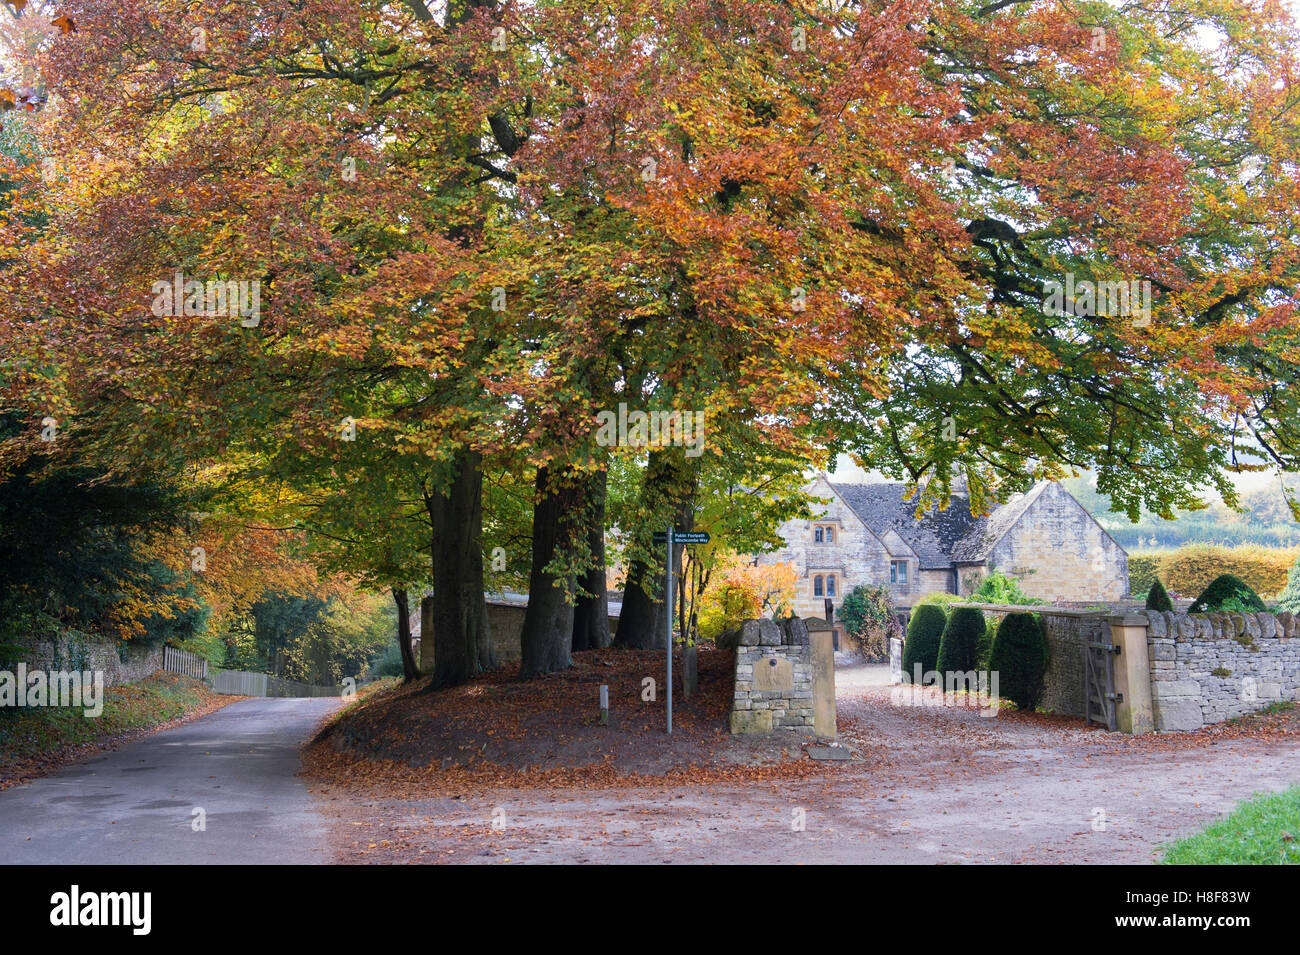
x: 669, y: 605
x: 670, y: 537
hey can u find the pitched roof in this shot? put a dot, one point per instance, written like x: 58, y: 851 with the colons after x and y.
x: 940, y: 538
x: 883, y: 507
x: 985, y: 532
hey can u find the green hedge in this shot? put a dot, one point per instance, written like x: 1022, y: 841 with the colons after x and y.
x: 1143, y: 571
x: 924, y: 632
x: 1019, y: 657
x: 960, y: 643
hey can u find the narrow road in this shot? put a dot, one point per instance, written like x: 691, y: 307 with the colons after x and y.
x: 137, y: 805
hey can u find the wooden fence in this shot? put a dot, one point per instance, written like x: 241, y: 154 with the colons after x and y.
x: 243, y: 683
x: 186, y: 664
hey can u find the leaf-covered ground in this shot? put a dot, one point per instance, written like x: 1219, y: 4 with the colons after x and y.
x: 499, y: 732
x: 34, y: 742
x: 926, y: 783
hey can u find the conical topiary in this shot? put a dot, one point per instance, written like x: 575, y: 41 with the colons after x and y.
x: 1019, y: 658
x: 1158, y: 598
x: 959, y: 645
x: 1227, y: 592
x: 924, y: 631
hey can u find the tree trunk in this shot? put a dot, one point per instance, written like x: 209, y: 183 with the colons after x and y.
x: 547, y: 638
x: 462, y: 646
x: 641, y: 624
x: 591, y: 614
x: 410, y: 669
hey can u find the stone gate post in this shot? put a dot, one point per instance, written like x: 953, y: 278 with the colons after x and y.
x: 1133, y: 711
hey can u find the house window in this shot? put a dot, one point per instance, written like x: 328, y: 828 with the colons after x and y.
x: 823, y: 534
x: 898, y: 572
x: 830, y: 586
x: 817, y: 586
x: 817, y: 535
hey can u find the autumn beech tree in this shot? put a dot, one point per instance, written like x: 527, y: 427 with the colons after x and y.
x: 476, y: 227
x: 1127, y: 148
x: 327, y: 157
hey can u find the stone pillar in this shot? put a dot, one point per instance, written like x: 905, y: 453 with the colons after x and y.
x: 1132, y: 673
x: 823, y: 683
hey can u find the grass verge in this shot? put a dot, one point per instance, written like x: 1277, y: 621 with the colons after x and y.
x: 34, y: 742
x: 1263, y: 831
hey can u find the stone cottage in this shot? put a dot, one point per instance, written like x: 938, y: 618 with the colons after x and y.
x: 869, y: 534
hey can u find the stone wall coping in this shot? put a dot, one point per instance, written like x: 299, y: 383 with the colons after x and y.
x: 1046, y: 610
x: 1129, y: 620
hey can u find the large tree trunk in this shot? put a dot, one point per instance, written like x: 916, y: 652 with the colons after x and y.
x: 591, y: 614
x: 547, y: 637
x: 410, y: 670
x: 641, y: 623
x: 462, y: 646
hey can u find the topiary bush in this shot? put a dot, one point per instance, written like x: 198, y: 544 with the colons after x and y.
x: 1158, y: 598
x: 924, y: 632
x: 1019, y: 658
x: 1227, y: 592
x: 959, y: 645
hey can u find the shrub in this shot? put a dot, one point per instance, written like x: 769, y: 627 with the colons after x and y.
x: 743, y: 592
x: 1142, y: 570
x: 387, y: 662
x: 1289, y: 598
x: 1189, y: 570
x: 959, y: 645
x: 869, y: 621
x: 924, y: 631
x: 998, y: 588
x: 941, y: 599
x: 1019, y: 657
x: 1158, y: 598
x: 1227, y: 592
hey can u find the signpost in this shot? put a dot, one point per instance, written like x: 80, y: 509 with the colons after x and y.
x: 670, y: 537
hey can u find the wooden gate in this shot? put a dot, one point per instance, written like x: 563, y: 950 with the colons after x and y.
x: 1099, y: 682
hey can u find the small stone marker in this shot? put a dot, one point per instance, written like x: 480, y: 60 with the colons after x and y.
x: 604, y: 704
x: 832, y: 753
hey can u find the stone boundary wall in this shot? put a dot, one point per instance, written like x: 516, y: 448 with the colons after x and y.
x: 1204, y: 668
x: 119, y: 662
x: 1211, y: 667
x: 774, y: 677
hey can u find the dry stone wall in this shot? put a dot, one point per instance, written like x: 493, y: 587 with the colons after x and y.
x: 774, y: 677
x: 71, y: 650
x: 1211, y: 667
